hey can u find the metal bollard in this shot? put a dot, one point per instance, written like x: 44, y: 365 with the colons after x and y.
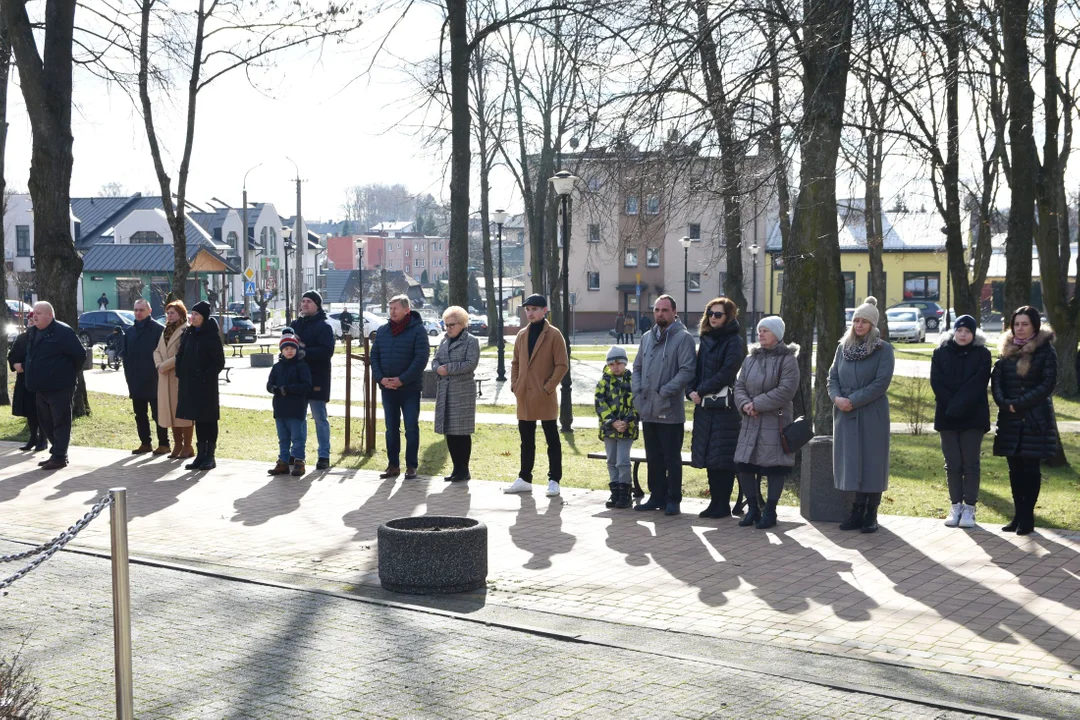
x: 121, y: 604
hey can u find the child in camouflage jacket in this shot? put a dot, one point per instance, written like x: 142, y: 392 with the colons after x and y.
x: 618, y: 423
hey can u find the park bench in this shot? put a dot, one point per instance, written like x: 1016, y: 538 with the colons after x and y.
x: 227, y: 371
x: 637, y: 456
x: 480, y: 385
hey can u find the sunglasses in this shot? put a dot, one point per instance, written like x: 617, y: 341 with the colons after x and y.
x: 718, y: 313
x: 450, y: 325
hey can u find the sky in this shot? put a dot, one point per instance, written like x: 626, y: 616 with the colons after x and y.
x: 340, y: 129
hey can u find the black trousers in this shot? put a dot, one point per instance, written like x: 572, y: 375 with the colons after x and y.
x: 460, y: 447
x: 142, y: 422
x: 1025, y: 477
x: 527, y: 431
x: 54, y: 414
x: 663, y: 458
x: 206, y: 431
x: 32, y: 422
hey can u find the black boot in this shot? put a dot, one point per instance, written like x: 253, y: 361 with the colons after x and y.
x: 753, y: 512
x: 31, y: 443
x: 869, y: 523
x: 200, y: 455
x: 622, y: 498
x: 719, y: 498
x: 655, y: 503
x: 855, y: 521
x: 768, y: 518
x: 740, y: 504
x: 209, y: 463
x: 614, y: 497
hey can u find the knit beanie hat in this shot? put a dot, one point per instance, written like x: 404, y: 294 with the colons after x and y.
x: 203, y: 308
x: 288, y: 337
x: 965, y: 321
x: 867, y: 311
x: 774, y: 324
x: 617, y: 353
x: 314, y: 297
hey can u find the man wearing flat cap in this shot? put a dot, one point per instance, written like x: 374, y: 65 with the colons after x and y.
x: 537, y: 367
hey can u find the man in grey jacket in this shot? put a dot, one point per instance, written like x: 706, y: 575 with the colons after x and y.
x: 664, y: 366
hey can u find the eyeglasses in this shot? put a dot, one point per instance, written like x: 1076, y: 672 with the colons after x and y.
x: 450, y: 325
x: 718, y: 313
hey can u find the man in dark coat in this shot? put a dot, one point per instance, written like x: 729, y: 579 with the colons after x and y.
x: 53, y: 359
x: 24, y: 402
x: 346, y: 322
x: 103, y: 302
x: 398, y: 359
x: 140, y: 342
x: 318, y: 339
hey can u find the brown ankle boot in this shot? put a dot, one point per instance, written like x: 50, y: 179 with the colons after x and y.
x: 189, y: 434
x: 177, y: 443
x: 279, y: 469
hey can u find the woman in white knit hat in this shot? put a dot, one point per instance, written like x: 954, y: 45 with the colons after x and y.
x: 858, y: 382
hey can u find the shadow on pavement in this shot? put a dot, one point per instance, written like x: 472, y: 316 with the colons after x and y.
x: 280, y: 496
x: 541, y: 533
x: 145, y: 495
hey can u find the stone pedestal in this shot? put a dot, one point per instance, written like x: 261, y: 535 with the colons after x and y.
x: 430, y: 384
x: 819, y: 500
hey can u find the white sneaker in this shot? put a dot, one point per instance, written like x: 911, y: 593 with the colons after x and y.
x: 954, y: 515
x: 967, y: 516
x: 518, y: 486
x: 553, y: 489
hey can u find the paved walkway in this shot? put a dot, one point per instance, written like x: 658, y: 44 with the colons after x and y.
x: 979, y: 603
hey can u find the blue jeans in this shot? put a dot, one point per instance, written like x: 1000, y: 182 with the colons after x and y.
x: 398, y: 404
x: 322, y: 426
x: 618, y: 459
x: 292, y: 437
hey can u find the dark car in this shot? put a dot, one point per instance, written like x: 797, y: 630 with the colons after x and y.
x: 239, y: 329
x: 255, y: 313
x: 478, y: 325
x: 96, y: 326
x: 933, y: 313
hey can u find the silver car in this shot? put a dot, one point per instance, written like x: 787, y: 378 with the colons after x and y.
x: 906, y: 324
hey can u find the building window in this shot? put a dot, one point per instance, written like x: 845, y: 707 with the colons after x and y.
x: 631, y: 204
x: 779, y: 282
x: 693, y: 231
x: 652, y: 206
x: 22, y: 240
x: 594, y: 233
x: 146, y: 237
x: 419, y: 262
x: 406, y: 253
x: 652, y: 257
x: 594, y: 184
x: 849, y: 289
x: 418, y: 247
x: 693, y: 282
x: 631, y: 257
x: 922, y: 286
x: 594, y: 281
x: 231, y: 239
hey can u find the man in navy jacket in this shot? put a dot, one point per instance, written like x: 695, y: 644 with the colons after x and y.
x: 53, y: 359
x: 398, y: 359
x: 140, y: 342
x: 318, y: 338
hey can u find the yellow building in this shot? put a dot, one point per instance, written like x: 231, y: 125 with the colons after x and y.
x: 913, y: 256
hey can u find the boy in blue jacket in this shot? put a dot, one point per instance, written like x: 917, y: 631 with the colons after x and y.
x: 290, y: 384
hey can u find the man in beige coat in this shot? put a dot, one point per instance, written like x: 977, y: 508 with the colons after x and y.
x: 538, y: 365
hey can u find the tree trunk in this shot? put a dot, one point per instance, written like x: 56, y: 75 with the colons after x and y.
x: 5, y: 74
x: 460, y: 153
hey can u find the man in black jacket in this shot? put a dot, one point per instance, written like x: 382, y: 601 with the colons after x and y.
x: 140, y: 342
x: 318, y: 338
x: 53, y: 360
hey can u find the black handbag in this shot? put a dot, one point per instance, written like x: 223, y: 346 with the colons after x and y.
x: 724, y: 399
x: 796, y: 433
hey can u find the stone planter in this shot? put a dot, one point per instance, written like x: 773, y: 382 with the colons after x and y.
x: 819, y: 500
x: 261, y: 359
x: 432, y: 554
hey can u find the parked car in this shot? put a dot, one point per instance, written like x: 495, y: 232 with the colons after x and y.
x: 239, y: 329
x: 849, y: 315
x: 96, y: 326
x: 478, y: 325
x: 433, y: 327
x: 255, y: 314
x: 372, y: 322
x: 933, y: 313
x: 906, y: 324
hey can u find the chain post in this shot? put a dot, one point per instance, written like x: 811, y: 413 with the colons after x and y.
x: 121, y: 588
x: 348, y: 391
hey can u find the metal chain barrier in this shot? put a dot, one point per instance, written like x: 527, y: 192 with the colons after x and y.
x: 47, y: 550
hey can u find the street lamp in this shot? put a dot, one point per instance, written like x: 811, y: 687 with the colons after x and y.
x: 753, y: 305
x: 499, y: 216
x: 244, y: 241
x: 686, y: 242
x: 564, y: 184
x: 360, y: 282
x: 286, y: 246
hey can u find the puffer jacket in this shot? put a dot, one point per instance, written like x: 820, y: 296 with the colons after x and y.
x: 958, y: 376
x: 769, y: 379
x: 53, y: 358
x: 1024, y: 377
x: 663, y: 367
x: 290, y: 384
x: 318, y: 339
x: 615, y: 401
x: 402, y: 356
x: 716, y: 432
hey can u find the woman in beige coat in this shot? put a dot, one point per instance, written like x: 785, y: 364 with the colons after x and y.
x: 168, y: 386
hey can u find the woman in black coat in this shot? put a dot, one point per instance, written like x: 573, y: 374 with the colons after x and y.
x: 198, y: 363
x: 959, y: 372
x: 1022, y: 382
x: 23, y: 401
x: 716, y: 430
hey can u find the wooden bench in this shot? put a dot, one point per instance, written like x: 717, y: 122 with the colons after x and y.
x: 637, y: 456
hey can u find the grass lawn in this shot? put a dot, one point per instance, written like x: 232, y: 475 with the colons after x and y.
x: 917, y: 484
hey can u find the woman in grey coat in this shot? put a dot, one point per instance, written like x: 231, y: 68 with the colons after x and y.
x: 455, y: 399
x: 764, y: 392
x: 858, y: 381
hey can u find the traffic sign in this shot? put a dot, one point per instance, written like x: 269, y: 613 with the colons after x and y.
x: 573, y: 299
x: 249, y: 274
x: 638, y: 291
x: 249, y: 288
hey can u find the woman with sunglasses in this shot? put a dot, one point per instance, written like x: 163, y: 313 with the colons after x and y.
x: 716, y: 418
x: 455, y: 398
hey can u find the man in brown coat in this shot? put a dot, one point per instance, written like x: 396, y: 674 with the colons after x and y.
x: 538, y: 365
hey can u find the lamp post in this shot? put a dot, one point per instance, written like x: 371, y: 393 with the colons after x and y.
x: 360, y: 283
x: 244, y: 241
x: 753, y: 305
x: 499, y: 216
x: 685, y: 242
x: 564, y: 184
x: 286, y: 246
x: 299, y: 242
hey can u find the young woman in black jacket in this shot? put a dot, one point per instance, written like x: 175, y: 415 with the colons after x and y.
x: 199, y: 361
x: 1022, y: 382
x: 959, y: 373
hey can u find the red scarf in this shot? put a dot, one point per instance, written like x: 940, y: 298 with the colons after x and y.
x: 398, y: 328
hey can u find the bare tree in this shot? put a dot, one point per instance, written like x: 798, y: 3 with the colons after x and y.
x: 5, y: 73
x: 112, y: 190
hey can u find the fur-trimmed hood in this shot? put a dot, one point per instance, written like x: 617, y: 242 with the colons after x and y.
x: 780, y: 349
x: 946, y: 336
x: 1024, y: 352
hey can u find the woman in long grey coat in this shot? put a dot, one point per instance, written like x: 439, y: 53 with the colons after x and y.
x: 764, y: 392
x: 858, y: 381
x: 455, y: 399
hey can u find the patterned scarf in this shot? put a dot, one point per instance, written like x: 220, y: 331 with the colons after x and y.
x: 398, y: 328
x: 861, y: 351
x: 170, y: 329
